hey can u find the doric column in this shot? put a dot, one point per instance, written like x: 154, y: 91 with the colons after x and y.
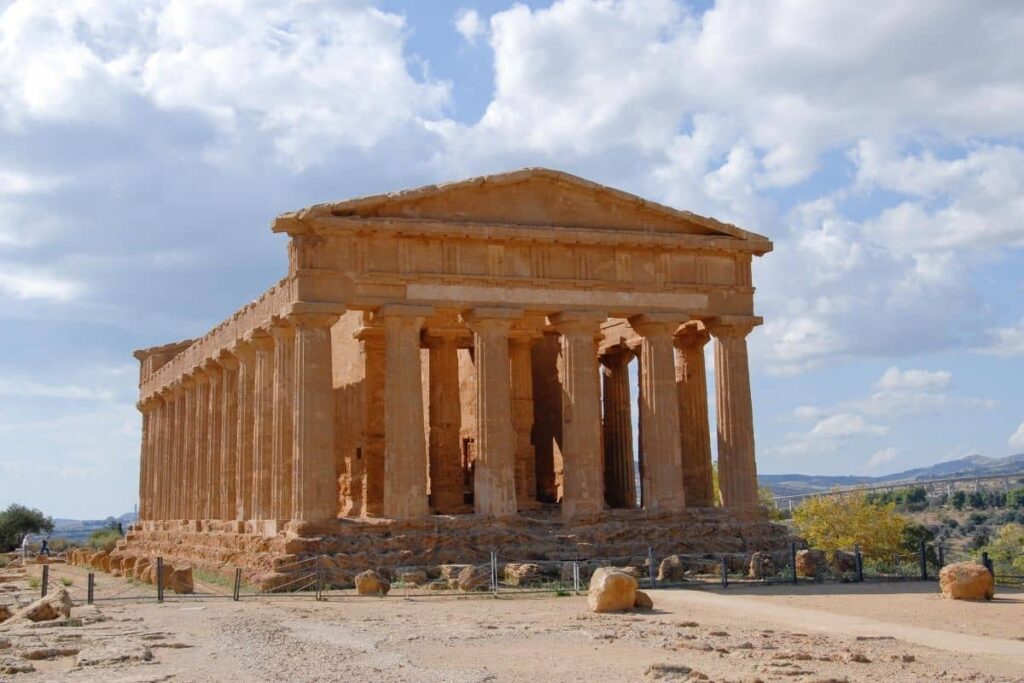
x: 160, y: 476
x: 284, y: 394
x: 314, y: 481
x: 263, y: 425
x: 659, y: 412
x: 445, y: 421
x: 245, y: 436
x: 229, y: 437
x: 188, y: 456
x: 371, y: 489
x: 213, y: 440
x: 146, y: 455
x: 201, y: 438
x: 581, y: 413
x: 619, y: 477
x: 494, y: 475
x: 405, y: 447
x: 737, y: 468
x: 175, y: 502
x: 521, y: 358
x: 694, y: 429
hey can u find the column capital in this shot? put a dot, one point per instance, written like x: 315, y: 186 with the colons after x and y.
x: 402, y: 315
x: 228, y: 360
x: 582, y: 322
x: 437, y: 337
x: 187, y: 382
x: 281, y: 327
x: 213, y: 368
x: 260, y: 338
x: 732, y: 326
x: 648, y: 324
x: 201, y: 376
x: 309, y: 320
x: 616, y: 356
x: 524, y: 337
x: 147, y: 404
x: 692, y: 336
x: 491, y: 319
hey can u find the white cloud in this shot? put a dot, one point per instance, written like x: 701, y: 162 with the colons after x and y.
x: 29, y: 388
x: 880, y: 457
x: 843, y: 425
x: 24, y: 283
x: 1016, y: 439
x: 469, y: 25
x: 895, y: 379
x: 1007, y: 342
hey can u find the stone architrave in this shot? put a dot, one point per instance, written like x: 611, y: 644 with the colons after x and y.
x: 212, y: 481
x: 314, y: 484
x: 200, y: 487
x: 405, y: 447
x: 521, y: 359
x: 619, y: 477
x: 284, y: 394
x: 659, y: 412
x: 694, y: 427
x: 737, y: 468
x: 581, y: 413
x: 445, y: 421
x: 494, y: 475
x: 374, y: 361
x: 229, y: 437
x: 245, y: 435
x: 263, y: 426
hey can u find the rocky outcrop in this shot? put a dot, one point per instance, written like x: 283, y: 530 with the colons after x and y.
x: 611, y: 591
x: 762, y: 566
x: 179, y: 580
x: 643, y: 601
x: 843, y: 561
x: 523, y: 574
x: 56, y: 605
x: 810, y: 563
x: 475, y: 577
x: 966, y: 581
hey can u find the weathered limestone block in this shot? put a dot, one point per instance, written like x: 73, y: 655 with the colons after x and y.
x: 843, y: 561
x: 643, y: 601
x: 141, y: 569
x: 475, y: 577
x: 672, y: 568
x: 966, y: 581
x: 5, y: 613
x: 179, y: 579
x: 524, y: 574
x: 56, y: 605
x: 372, y: 583
x: 451, y: 571
x: 438, y: 585
x: 810, y: 563
x: 611, y: 591
x: 414, y: 578
x: 100, y: 561
x: 761, y: 566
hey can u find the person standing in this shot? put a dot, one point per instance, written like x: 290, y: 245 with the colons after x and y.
x: 24, y: 550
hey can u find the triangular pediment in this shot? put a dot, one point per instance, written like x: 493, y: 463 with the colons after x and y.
x: 533, y: 197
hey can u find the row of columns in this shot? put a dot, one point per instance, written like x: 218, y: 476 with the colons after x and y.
x: 249, y: 435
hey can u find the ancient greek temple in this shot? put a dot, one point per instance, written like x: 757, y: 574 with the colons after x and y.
x: 464, y: 349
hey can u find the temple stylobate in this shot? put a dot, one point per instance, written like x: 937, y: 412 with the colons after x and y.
x: 464, y: 349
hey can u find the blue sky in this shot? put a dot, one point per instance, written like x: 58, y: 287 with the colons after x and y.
x: 145, y: 145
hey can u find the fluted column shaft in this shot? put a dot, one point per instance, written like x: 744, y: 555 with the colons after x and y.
x: 494, y: 475
x: 694, y: 427
x: 188, y: 461
x: 228, y: 438
x: 659, y: 414
x: 374, y: 363
x: 201, y: 438
x: 180, y: 470
x: 405, y: 448
x: 163, y: 462
x: 144, y: 460
x: 619, y: 477
x: 520, y: 345
x: 581, y: 414
x: 314, y: 481
x: 263, y: 426
x: 445, y: 422
x: 737, y: 467
x: 214, y: 434
x: 245, y: 436
x: 284, y: 395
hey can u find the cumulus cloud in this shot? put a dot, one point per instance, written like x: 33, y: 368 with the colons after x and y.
x: 1007, y: 342
x: 895, y: 379
x: 469, y: 25
x: 880, y: 457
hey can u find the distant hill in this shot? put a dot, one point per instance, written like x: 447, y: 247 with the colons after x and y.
x: 969, y: 466
x: 80, y: 529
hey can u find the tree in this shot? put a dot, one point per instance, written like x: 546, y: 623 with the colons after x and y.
x: 1015, y: 499
x: 1007, y: 549
x: 839, y: 521
x: 977, y: 500
x: 18, y: 520
x: 767, y: 499
x: 959, y: 500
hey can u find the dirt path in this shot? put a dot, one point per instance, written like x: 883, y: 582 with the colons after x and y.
x: 804, y: 634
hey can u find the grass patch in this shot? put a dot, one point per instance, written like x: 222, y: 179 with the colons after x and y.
x: 4, y: 561
x: 67, y: 581
x: 214, y: 578
x: 34, y: 582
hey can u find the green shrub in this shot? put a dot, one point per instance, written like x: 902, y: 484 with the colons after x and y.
x: 104, y: 539
x: 34, y: 582
x: 4, y: 561
x: 67, y: 581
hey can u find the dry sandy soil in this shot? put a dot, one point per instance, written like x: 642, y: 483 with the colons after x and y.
x: 868, y: 632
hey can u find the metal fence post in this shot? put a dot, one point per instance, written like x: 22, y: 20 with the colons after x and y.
x: 238, y: 584
x: 725, y: 572
x: 987, y: 562
x: 46, y: 580
x: 319, y: 576
x: 576, y: 576
x: 942, y: 556
x: 90, y: 587
x: 159, y: 579
x: 858, y: 562
x: 494, y: 573
x: 924, y: 561
x: 650, y: 567
x: 792, y: 560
